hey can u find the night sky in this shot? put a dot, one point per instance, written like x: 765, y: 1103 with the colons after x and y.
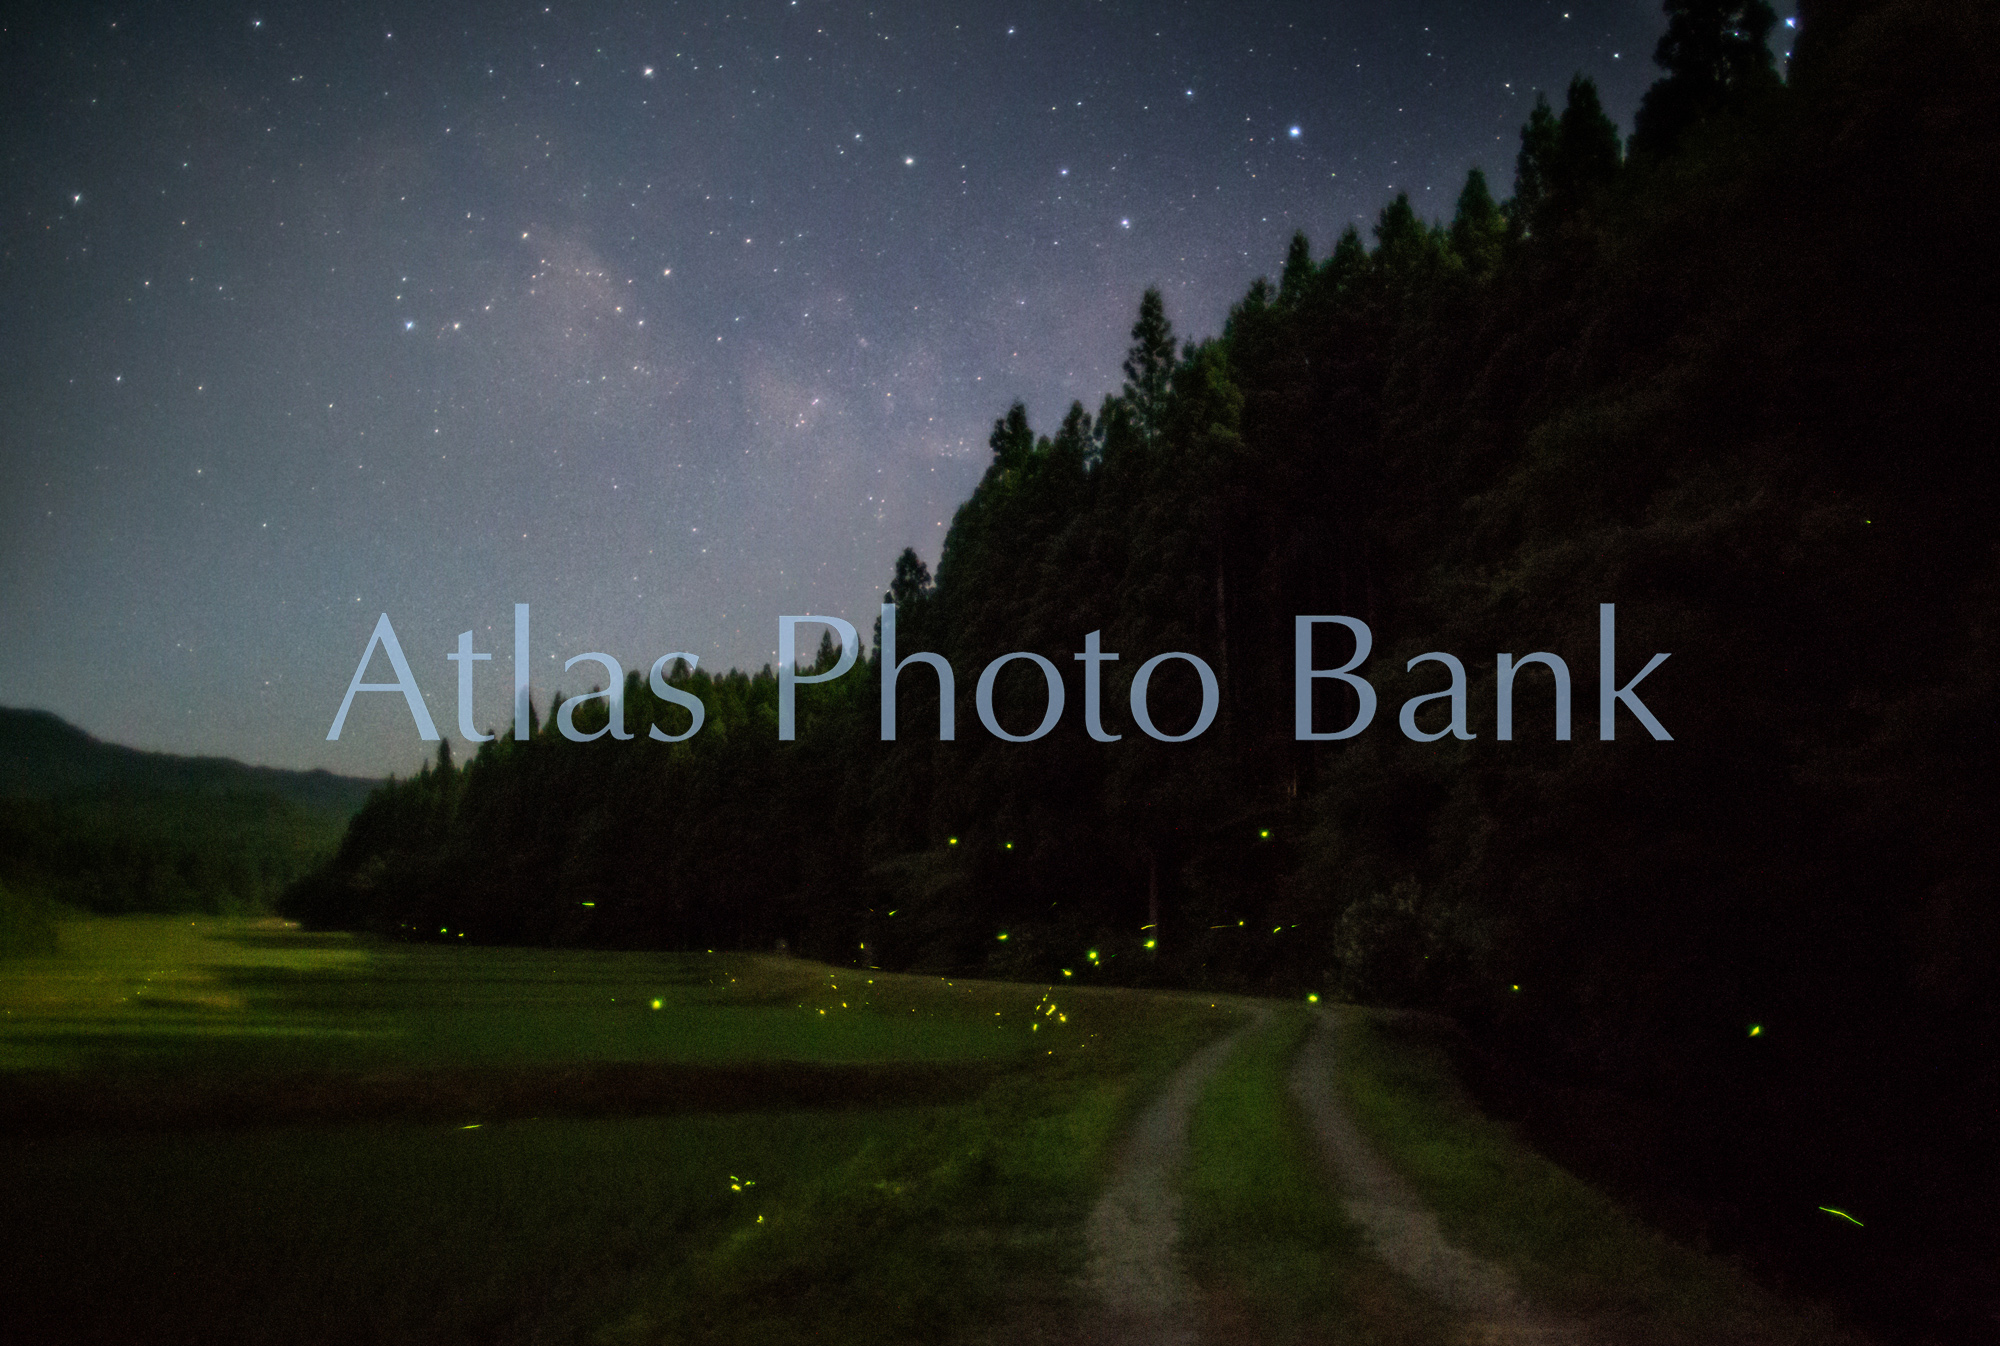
x: 664, y: 319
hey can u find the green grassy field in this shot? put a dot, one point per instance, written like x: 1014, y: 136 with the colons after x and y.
x: 239, y: 1132
x: 183, y: 993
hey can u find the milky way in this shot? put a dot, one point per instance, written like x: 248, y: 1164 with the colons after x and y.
x: 662, y: 319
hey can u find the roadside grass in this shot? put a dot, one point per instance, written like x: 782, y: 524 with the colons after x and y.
x: 881, y: 1224
x: 1569, y: 1246
x: 1263, y: 1232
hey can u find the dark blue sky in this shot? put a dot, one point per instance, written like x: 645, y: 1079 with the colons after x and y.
x: 664, y: 319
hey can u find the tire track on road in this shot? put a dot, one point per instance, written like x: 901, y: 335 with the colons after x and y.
x: 1132, y: 1230
x: 1403, y: 1230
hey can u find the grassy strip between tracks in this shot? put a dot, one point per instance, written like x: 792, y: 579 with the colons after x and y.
x: 1264, y: 1235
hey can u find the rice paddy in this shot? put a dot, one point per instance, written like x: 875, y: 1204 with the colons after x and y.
x: 238, y: 1131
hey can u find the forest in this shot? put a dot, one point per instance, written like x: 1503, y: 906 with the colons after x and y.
x: 1733, y: 374
x: 95, y: 827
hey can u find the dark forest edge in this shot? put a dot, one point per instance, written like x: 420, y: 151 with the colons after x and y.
x: 1735, y: 376
x: 92, y: 826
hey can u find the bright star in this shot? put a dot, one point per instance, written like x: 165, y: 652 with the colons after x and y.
x: 1295, y: 133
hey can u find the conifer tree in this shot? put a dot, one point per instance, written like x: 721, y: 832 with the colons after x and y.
x: 1587, y: 144
x: 1298, y: 270
x: 911, y: 581
x: 1011, y: 441
x: 828, y: 655
x: 1348, y: 255
x: 1149, y: 367
x: 1533, y: 166
x: 1075, y: 445
x: 1714, y: 52
x: 1477, y: 226
x: 1397, y: 229
x: 1564, y: 161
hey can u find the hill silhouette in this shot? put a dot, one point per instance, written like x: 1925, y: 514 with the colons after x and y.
x: 108, y: 828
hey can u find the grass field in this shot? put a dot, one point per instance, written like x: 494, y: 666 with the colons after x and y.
x: 178, y: 993
x: 239, y: 1132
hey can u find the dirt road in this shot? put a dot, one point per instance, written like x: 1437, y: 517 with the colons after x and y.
x: 1403, y: 1230
x: 1140, y: 1289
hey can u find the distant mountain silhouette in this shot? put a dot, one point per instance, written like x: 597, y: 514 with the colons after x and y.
x: 43, y: 756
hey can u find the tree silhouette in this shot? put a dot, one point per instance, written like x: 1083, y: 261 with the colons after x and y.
x: 1565, y: 162
x: 1478, y: 229
x: 1149, y: 367
x: 1714, y: 53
